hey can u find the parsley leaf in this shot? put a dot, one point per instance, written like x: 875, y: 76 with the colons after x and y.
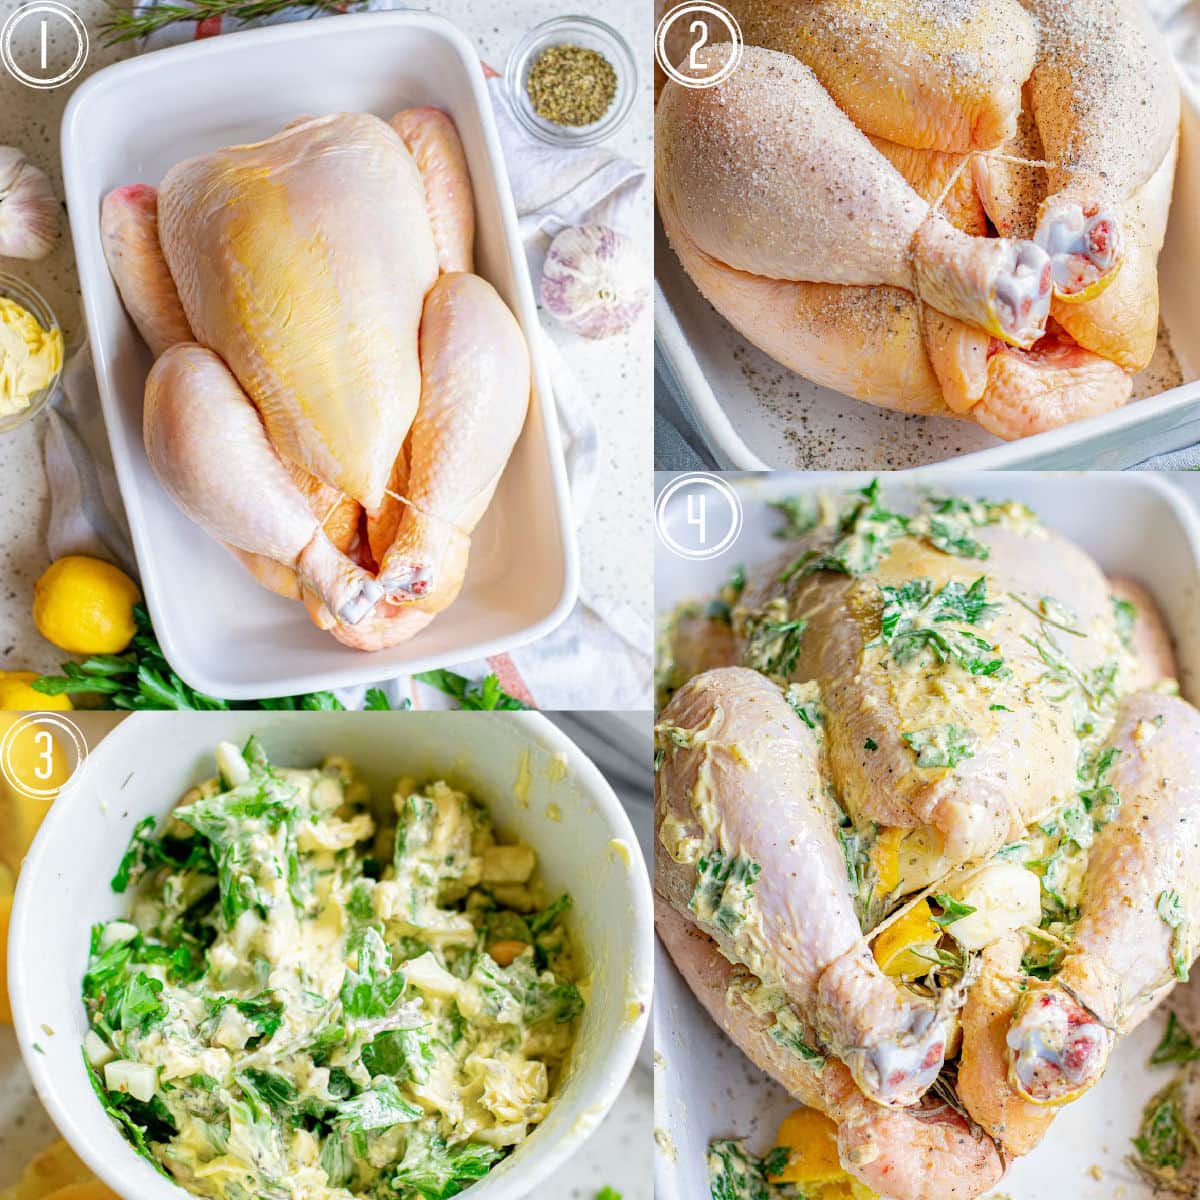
x: 952, y: 910
x: 913, y: 611
x: 371, y: 990
x: 1125, y: 617
x: 379, y: 1107
x: 773, y: 647
x: 1177, y: 1045
x: 485, y: 695
x: 435, y: 1169
x: 866, y: 532
x: 801, y: 515
x: 1169, y: 907
x: 723, y: 887
x: 941, y: 745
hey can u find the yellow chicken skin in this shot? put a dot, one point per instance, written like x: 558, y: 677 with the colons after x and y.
x: 986, y: 107
x: 930, y: 76
x: 311, y: 291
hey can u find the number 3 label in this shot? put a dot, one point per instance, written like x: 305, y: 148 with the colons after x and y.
x: 40, y: 754
x: 706, y: 23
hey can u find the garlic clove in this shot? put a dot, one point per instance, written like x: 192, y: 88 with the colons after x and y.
x: 29, y: 209
x: 594, y: 282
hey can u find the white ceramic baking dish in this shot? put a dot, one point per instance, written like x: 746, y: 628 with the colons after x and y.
x: 756, y: 415
x: 518, y: 764
x: 1137, y: 525
x: 129, y: 124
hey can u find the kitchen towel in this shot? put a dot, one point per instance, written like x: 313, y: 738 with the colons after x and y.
x: 603, y: 641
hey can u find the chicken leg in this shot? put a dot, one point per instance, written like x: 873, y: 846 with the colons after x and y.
x: 209, y: 450
x: 1106, y: 101
x: 768, y: 176
x: 902, y: 1153
x: 1139, y: 915
x: 303, y: 261
x: 746, y: 846
x: 474, y: 396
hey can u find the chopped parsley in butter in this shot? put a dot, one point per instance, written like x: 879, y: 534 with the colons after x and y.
x: 306, y: 1001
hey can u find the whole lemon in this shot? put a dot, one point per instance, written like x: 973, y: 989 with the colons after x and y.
x: 17, y: 696
x: 85, y: 606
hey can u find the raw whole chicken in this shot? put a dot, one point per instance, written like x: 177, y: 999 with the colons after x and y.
x: 926, y: 824
x: 850, y: 199
x: 336, y: 394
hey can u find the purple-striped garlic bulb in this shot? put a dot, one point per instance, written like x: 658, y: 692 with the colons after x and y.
x: 594, y: 282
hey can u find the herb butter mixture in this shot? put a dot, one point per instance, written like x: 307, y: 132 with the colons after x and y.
x: 306, y: 1002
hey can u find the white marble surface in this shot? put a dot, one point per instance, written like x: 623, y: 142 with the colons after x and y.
x: 616, y: 375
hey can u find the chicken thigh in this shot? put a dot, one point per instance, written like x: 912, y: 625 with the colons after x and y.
x: 303, y: 261
x: 934, y: 76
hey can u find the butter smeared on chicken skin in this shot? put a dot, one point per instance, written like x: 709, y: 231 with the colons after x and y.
x: 740, y: 785
x: 921, y: 1153
x: 998, y: 749
x: 1137, y: 932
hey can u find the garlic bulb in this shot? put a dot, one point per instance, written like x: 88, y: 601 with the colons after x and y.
x: 593, y: 281
x: 29, y: 220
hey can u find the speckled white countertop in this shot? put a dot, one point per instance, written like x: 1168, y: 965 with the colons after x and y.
x: 615, y: 543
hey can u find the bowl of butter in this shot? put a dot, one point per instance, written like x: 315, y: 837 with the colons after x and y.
x: 31, y: 353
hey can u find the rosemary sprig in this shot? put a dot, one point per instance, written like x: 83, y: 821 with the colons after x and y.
x: 125, y: 24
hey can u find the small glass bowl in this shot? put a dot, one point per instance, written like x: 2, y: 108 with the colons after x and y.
x: 574, y: 31
x: 12, y: 288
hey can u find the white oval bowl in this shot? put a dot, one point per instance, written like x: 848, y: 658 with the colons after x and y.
x: 518, y: 764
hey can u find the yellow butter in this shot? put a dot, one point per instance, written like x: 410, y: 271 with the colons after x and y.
x: 30, y: 356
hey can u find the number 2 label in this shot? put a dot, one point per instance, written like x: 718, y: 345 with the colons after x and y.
x: 700, y: 27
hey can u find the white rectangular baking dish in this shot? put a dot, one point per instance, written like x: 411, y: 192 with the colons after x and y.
x: 1138, y: 525
x: 756, y: 415
x: 221, y: 632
